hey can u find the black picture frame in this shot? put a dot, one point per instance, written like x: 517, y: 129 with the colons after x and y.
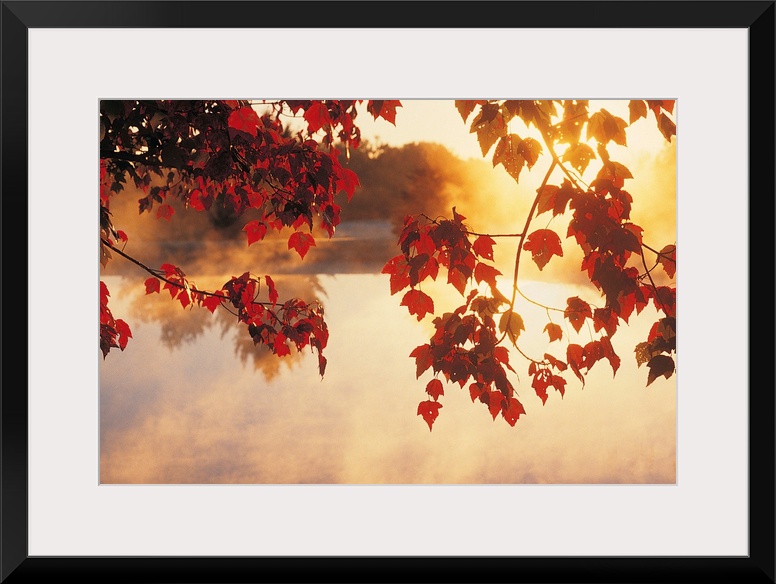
x: 17, y: 567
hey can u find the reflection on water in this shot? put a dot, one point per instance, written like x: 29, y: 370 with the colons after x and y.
x: 192, y: 400
x: 181, y: 328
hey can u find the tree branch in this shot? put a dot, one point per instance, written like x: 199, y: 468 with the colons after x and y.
x: 158, y: 275
x: 522, y: 240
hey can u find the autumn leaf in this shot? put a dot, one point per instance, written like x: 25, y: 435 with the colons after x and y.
x: 508, y: 154
x: 465, y: 107
x: 483, y: 247
x: 165, y: 211
x: 554, y: 331
x: 423, y: 358
x: 496, y: 401
x: 554, y: 198
x: 317, y: 116
x: 212, y: 302
x: 435, y: 389
x: 579, y: 156
x: 511, y: 323
x: 575, y: 356
x: 486, y: 273
x: 543, y: 244
x: 637, y: 109
x: 429, y: 410
x: 152, y: 285
x: 347, y: 181
x: 301, y: 242
x: 418, y: 303
x: 513, y: 411
x: 485, y: 306
x: 458, y: 279
x: 122, y: 328
x: 667, y: 259
x: 577, y: 310
x: 660, y: 365
x: 615, y: 172
x: 273, y: 293
x: 501, y: 354
x: 184, y: 296
x: 399, y: 271
x: 530, y: 150
x: 668, y: 105
x: 198, y: 201
x: 605, y: 318
x: 280, y: 346
x: 603, y: 127
x: 666, y: 126
x: 256, y: 231
x: 611, y: 356
x: 541, y: 380
x: 475, y: 391
x: 643, y: 353
x: 245, y: 120
x: 489, y: 126
x: 385, y: 109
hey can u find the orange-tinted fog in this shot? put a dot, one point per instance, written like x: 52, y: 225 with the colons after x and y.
x: 191, y: 400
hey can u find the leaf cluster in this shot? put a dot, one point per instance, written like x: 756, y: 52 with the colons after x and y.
x: 467, y: 347
x: 238, y: 157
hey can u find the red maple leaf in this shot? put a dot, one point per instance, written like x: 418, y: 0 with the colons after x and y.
x: 347, y: 181
x: 605, y: 318
x: 659, y: 365
x: 501, y: 354
x: 399, y: 271
x: 165, y: 212
x: 667, y: 259
x: 577, y: 311
x: 611, y: 356
x: 458, y: 279
x: 245, y: 120
x: 280, y: 345
x: 122, y: 328
x: 385, y: 109
x: 429, y: 410
x: 152, y: 285
x: 198, y: 201
x: 435, y: 389
x: 256, y: 231
x: 554, y: 331
x: 211, y: 302
x: 273, y: 293
x: 423, y: 358
x: 496, y: 401
x: 317, y: 116
x: 486, y: 273
x: 513, y: 411
x: 418, y: 303
x: 554, y: 198
x: 543, y: 244
x: 301, y: 242
x: 575, y: 355
x: 483, y: 247
x: 476, y: 391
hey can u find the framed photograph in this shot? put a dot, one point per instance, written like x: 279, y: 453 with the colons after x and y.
x: 389, y: 291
